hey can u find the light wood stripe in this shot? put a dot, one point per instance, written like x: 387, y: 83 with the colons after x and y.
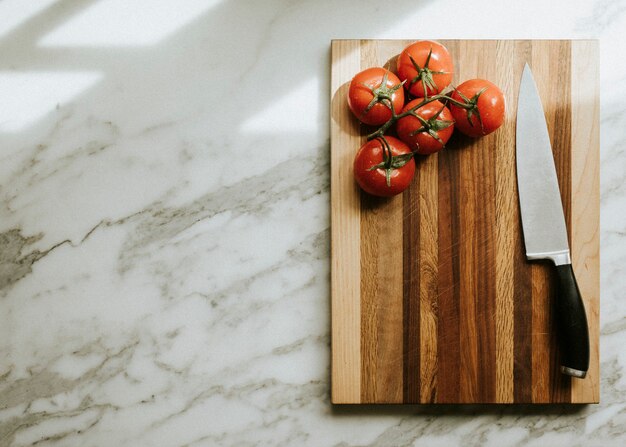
x: 506, y: 234
x: 428, y: 267
x: 585, y: 223
x: 468, y: 233
x: 547, y: 65
x: 541, y: 339
x: 345, y: 215
x: 381, y: 301
x: 382, y: 334
x: 468, y: 336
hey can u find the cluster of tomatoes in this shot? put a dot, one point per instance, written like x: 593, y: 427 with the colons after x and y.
x: 384, y: 165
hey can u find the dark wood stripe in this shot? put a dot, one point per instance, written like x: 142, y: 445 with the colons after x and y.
x: 484, y: 246
x: 561, y: 128
x: 485, y: 260
x: 411, y: 293
x: 522, y: 294
x: 522, y: 329
x: 448, y: 350
x: 448, y: 280
x: 522, y: 309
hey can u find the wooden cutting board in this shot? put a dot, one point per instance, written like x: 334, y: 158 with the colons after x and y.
x: 433, y: 300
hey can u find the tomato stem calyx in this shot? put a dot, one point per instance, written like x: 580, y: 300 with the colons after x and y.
x: 390, y: 162
x: 432, y: 125
x: 471, y: 106
x: 424, y: 74
x: 383, y: 94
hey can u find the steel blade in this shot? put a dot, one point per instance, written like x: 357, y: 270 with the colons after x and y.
x: 543, y: 222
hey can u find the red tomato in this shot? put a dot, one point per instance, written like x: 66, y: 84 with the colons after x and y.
x: 484, y: 109
x: 377, y: 174
x: 431, y: 131
x: 372, y: 93
x: 427, y: 68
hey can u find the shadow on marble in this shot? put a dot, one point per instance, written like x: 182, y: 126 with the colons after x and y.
x: 210, y: 40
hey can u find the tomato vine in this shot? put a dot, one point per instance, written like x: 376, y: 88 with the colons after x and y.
x: 423, y: 75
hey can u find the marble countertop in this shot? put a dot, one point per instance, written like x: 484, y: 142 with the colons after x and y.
x: 164, y: 223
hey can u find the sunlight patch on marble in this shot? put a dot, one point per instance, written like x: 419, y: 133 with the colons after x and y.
x: 300, y: 108
x: 115, y: 23
x: 29, y: 96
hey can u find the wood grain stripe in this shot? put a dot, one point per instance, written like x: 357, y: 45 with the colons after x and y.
x: 558, y: 117
x: 449, y: 273
x: 539, y: 311
x: 468, y: 336
x: 543, y: 329
x: 542, y: 336
x: 411, y: 224
x: 448, y: 294
x: 523, y: 371
x: 413, y: 236
x: 563, y: 158
x: 381, y: 300
x: 428, y: 266
x: 477, y: 245
x: 522, y: 331
x: 382, y: 332
x: 345, y: 219
x: 485, y: 244
x: 507, y: 234
x: 585, y: 210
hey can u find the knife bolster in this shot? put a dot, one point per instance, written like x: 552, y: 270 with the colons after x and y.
x: 557, y: 257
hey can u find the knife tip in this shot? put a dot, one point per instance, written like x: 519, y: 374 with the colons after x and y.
x: 527, y: 74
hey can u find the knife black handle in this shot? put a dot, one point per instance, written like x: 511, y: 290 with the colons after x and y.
x: 572, y: 324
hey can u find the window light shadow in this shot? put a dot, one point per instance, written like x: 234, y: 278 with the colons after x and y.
x: 16, y: 12
x: 28, y: 96
x: 113, y: 23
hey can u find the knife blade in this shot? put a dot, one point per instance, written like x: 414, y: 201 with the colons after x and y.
x: 543, y: 223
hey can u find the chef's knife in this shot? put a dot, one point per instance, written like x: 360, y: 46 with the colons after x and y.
x: 543, y: 222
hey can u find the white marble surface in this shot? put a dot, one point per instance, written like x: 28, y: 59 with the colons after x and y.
x: 164, y: 223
